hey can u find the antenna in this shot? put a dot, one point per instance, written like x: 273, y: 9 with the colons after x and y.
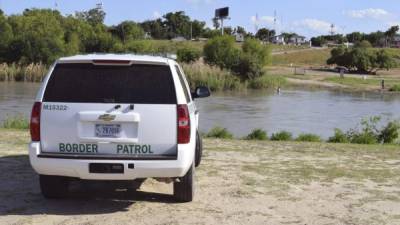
x: 275, y: 20
x: 332, y: 32
x: 256, y: 23
x: 99, y: 5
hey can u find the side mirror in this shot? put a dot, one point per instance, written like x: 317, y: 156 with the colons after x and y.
x: 201, y: 92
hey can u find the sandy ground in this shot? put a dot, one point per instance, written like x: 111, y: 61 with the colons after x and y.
x: 239, y: 182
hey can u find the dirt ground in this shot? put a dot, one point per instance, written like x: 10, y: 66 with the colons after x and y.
x: 239, y: 182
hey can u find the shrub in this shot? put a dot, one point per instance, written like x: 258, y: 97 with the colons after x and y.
x: 221, y: 51
x: 363, y: 138
x: 253, y: 58
x: 390, y: 133
x: 308, y: 138
x: 281, y: 136
x: 395, y: 88
x: 219, y: 132
x: 368, y: 134
x: 257, y: 134
x: 363, y: 44
x: 338, y: 137
x: 188, y: 55
x: 16, y: 122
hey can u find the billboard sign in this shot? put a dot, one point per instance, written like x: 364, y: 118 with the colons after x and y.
x: 222, y: 12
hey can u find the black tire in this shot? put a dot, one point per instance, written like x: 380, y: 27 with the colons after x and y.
x: 199, y: 149
x: 184, y: 188
x: 53, y: 186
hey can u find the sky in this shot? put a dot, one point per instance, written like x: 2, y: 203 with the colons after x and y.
x: 305, y: 17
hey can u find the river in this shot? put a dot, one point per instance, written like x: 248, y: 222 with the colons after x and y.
x: 294, y: 110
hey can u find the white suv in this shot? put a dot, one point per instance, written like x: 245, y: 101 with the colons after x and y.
x: 115, y: 117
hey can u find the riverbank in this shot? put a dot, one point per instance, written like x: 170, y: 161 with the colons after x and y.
x: 246, y: 182
x: 321, y: 77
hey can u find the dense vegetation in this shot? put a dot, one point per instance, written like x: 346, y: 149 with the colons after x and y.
x: 377, y: 39
x: 246, y: 62
x: 362, y: 58
x: 369, y: 132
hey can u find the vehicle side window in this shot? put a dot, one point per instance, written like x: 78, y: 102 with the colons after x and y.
x: 183, y: 83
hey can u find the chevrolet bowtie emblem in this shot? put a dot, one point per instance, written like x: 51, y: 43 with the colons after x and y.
x: 107, y: 117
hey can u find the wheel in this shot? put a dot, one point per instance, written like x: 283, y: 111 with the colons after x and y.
x: 184, y: 188
x: 53, y: 186
x: 199, y: 149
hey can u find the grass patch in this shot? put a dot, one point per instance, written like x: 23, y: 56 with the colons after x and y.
x: 307, y: 57
x: 267, y: 81
x: 219, y: 132
x: 355, y: 81
x: 16, y: 122
x: 216, y: 79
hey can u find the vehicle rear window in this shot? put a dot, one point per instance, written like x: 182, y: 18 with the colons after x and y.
x: 88, y: 83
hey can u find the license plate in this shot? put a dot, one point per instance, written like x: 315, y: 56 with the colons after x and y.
x: 108, y: 130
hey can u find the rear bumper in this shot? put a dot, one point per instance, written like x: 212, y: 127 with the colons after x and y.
x: 78, y: 167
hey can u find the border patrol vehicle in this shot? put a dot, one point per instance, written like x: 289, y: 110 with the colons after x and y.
x: 115, y: 117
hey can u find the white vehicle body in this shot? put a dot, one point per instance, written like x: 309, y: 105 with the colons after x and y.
x: 69, y: 131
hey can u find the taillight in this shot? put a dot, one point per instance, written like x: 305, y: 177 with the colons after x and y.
x: 183, y: 124
x: 35, y: 121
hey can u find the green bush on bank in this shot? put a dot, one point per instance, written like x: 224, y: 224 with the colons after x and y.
x: 282, y: 136
x: 246, y: 63
x: 219, y: 132
x: 308, y: 138
x: 257, y: 134
x: 395, y: 88
x: 369, y: 133
x: 338, y: 137
x: 389, y: 133
x: 16, y: 122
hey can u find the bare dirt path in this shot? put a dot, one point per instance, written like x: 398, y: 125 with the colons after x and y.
x: 239, y: 182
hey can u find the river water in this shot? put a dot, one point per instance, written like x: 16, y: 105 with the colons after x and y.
x: 294, y: 110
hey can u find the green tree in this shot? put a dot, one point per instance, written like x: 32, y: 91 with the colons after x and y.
x: 355, y: 37
x: 77, y: 34
x: 128, y: 30
x: 252, y: 60
x: 264, y: 34
x: 156, y: 28
x: 6, y: 35
x: 94, y: 16
x: 197, y: 28
x: 391, y: 33
x: 178, y: 24
x: 38, y: 36
x: 221, y: 51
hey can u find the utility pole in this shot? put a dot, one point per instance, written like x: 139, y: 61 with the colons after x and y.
x: 221, y: 14
x: 191, y: 30
x: 222, y: 26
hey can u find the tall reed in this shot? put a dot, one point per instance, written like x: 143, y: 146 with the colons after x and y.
x: 33, y: 72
